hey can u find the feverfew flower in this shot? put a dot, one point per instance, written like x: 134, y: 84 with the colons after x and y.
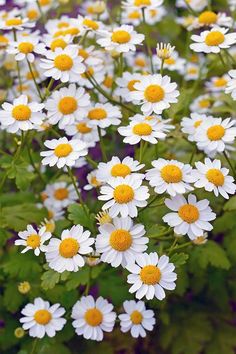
x: 150, y: 275
x: 212, y: 177
x: 122, y: 39
x: 231, y: 85
x: 93, y: 317
x: 121, y: 241
x: 213, y: 41
x: 67, y: 252
x: 63, y: 152
x: 210, y: 18
x: 170, y: 176
x: 103, y: 115
x: 189, y: 125
x: 125, y: 85
x: 63, y: 64
x: 136, y: 319
x: 67, y: 105
x: 81, y: 130
x: 33, y: 240
x: 21, y: 115
x: 41, y: 319
x: 189, y: 217
x: 142, y: 4
x: 24, y: 48
x: 124, y: 195
x: 155, y: 93
x: 16, y: 23
x: 59, y: 195
x: 217, y: 84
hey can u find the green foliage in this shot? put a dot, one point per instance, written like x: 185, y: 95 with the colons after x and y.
x: 80, y: 216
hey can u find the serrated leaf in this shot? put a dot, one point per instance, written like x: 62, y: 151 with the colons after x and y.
x: 230, y: 205
x: 24, y: 266
x: 179, y: 259
x: 156, y: 231
x: 80, y: 216
x: 49, y: 279
x: 12, y: 299
x: 79, y: 278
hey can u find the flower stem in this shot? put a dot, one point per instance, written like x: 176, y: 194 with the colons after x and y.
x: 148, y: 46
x: 34, y: 79
x: 230, y: 164
x: 17, y: 63
x: 34, y: 346
x: 102, y: 146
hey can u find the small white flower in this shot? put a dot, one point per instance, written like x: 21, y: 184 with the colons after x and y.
x: 103, y: 115
x: 67, y: 252
x: 93, y: 317
x: 63, y: 64
x: 124, y: 195
x: 121, y: 241
x: 59, y: 195
x: 172, y: 63
x: 212, y: 177
x: 121, y: 39
x: 136, y: 319
x: 16, y: 23
x: 231, y: 85
x: 119, y: 168
x: 24, y: 48
x: 63, y: 152
x: 93, y: 181
x: 41, y: 319
x: 67, y: 105
x: 210, y: 18
x: 170, y: 176
x: 33, y: 240
x: 202, y: 104
x: 80, y: 130
x: 189, y: 125
x: 155, y: 93
x: 213, y: 41
x: 125, y: 85
x: 21, y: 115
x: 142, y: 4
x: 189, y: 217
x: 217, y: 84
x: 151, y: 275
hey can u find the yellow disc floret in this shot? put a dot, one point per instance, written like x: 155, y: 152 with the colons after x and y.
x: 63, y: 62
x: 63, y: 150
x: 150, y: 275
x: 69, y: 247
x: 67, y: 105
x: 189, y: 213
x: 216, y: 132
x: 120, y: 240
x: 154, y: 93
x: 123, y: 194
x: 214, y: 38
x: 93, y: 317
x: 171, y: 174
x: 215, y: 176
x: 120, y: 37
x: 142, y: 129
x: 120, y: 170
x: 42, y: 317
x: 21, y: 112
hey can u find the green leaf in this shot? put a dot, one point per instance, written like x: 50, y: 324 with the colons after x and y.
x: 12, y: 299
x: 223, y: 341
x: 79, y: 278
x: 24, y: 266
x: 49, y: 279
x: 230, y: 205
x: 80, y: 216
x: 179, y: 259
x: 19, y: 171
x: 156, y: 231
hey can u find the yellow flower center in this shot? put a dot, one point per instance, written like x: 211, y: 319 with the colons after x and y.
x: 108, y: 82
x: 58, y: 43
x: 204, y: 103
x: 140, y: 62
x: 72, y: 31
x: 120, y: 170
x: 216, y: 132
x: 215, y: 176
x: 131, y: 84
x: 83, y: 53
x: 63, y: 150
x: 90, y: 23
x: 63, y: 62
x: 192, y: 71
x: 13, y: 22
x: 21, y: 112
x: 69, y: 247
x: 154, y: 93
x: 67, y: 105
x: 25, y: 47
x: 188, y: 213
x: 44, y: 2
x: 3, y: 40
x: 33, y: 241
x: 123, y: 194
x: 32, y: 14
x: 207, y: 18
x: 150, y: 275
x: 220, y: 82
x: 63, y: 25
x: 89, y: 72
x: 83, y: 128
x: 197, y: 123
x: 97, y: 114
x: 94, y: 182
x: 134, y: 15
x: 153, y: 13
x: 170, y: 61
x: 93, y: 317
x: 61, y: 193
x: 214, y: 38
x: 142, y: 129
x: 120, y: 240
x: 171, y: 174
x: 136, y: 317
x: 120, y: 37
x: 142, y: 2
x: 42, y: 317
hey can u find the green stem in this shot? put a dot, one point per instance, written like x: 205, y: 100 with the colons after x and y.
x: 230, y: 164
x: 102, y: 146
x: 37, y: 170
x: 222, y: 60
x: 48, y: 88
x: 34, y: 346
x: 34, y: 79
x: 75, y: 187
x: 148, y: 46
x: 162, y: 65
x: 89, y: 281
x: 91, y: 161
x: 180, y: 246
x: 121, y: 64
x: 17, y: 63
x: 141, y: 148
x: 191, y: 10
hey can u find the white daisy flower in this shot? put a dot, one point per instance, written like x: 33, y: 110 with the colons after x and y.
x: 91, y: 56
x: 212, y: 177
x: 201, y: 104
x: 191, y: 71
x: 213, y: 41
x: 33, y: 240
x: 63, y: 152
x: 151, y: 275
x: 124, y: 195
x: 16, y: 23
x: 210, y: 18
x: 63, y: 64
x: 89, y: 24
x: 63, y: 26
x: 217, y: 84
x: 189, y: 217
x: 59, y: 195
x: 142, y: 4
x: 132, y: 17
x: 196, y: 5
x: 93, y: 181
x: 170, y: 176
x: 139, y: 128
x: 138, y: 61
x: 67, y: 252
x: 67, y: 105
x: 81, y: 130
x: 173, y: 63
x: 121, y: 241
x: 52, y: 42
x: 103, y: 115
x: 213, y: 135
x: 119, y: 168
x: 25, y: 47
x: 121, y: 39
x: 93, y: 317
x: 189, y: 125
x: 21, y: 115
x: 125, y: 85
x: 154, y: 16
x: 231, y: 85
x: 155, y: 93
x: 41, y: 319
x: 136, y: 319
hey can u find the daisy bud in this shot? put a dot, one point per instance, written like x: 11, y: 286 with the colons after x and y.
x: 49, y: 224
x: 103, y: 217
x: 201, y: 240
x: 164, y: 50
x: 114, y: 54
x: 99, y: 7
x: 24, y: 287
x: 93, y: 260
x: 19, y: 332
